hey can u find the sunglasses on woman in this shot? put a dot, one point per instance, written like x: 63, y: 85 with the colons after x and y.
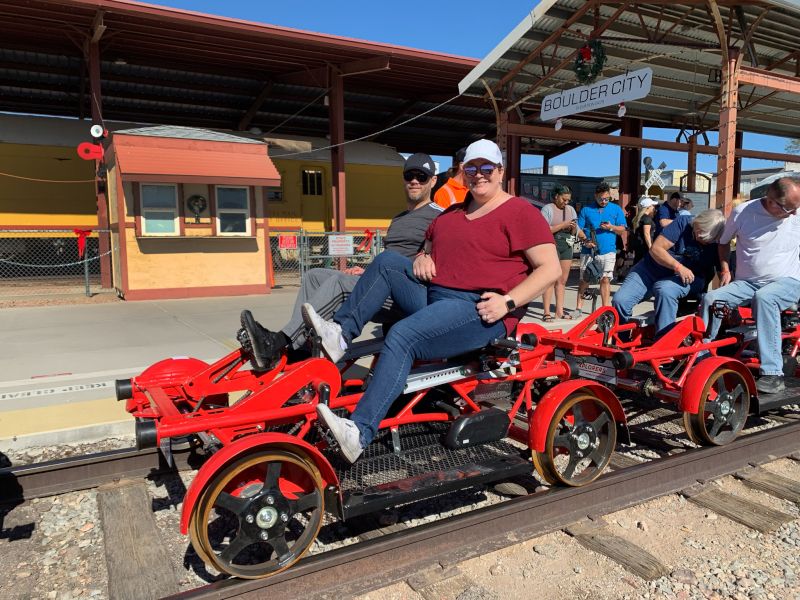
x: 410, y: 176
x: 485, y: 169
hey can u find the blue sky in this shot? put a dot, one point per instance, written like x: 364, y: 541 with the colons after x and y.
x: 467, y: 28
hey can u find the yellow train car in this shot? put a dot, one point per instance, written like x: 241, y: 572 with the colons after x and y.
x: 38, y: 157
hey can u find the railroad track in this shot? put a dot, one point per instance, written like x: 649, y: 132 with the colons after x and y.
x: 398, y: 555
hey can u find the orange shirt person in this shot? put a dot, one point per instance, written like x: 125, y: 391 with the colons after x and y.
x: 454, y: 189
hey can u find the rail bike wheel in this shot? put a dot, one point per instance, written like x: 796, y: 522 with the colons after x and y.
x: 259, y: 515
x: 723, y: 409
x: 580, y: 441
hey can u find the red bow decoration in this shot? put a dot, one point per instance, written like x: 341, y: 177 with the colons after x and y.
x: 89, y: 151
x: 366, y: 243
x: 82, y: 235
x: 586, y: 53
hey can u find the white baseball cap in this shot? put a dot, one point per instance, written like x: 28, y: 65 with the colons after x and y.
x: 485, y: 149
x: 646, y: 201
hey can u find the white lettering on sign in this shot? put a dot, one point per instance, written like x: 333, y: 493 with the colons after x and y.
x: 340, y: 245
x: 607, y: 92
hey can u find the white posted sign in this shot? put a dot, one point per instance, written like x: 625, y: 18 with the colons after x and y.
x: 606, y: 92
x: 340, y: 245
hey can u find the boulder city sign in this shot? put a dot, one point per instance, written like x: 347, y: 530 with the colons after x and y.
x: 607, y: 92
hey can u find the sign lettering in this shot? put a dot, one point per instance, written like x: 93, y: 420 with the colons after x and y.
x: 606, y: 92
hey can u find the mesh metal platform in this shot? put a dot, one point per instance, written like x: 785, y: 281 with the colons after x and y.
x: 423, y: 468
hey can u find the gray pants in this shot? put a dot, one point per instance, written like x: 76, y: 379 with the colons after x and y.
x: 325, y: 290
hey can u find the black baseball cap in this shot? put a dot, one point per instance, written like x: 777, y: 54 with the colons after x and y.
x: 420, y: 162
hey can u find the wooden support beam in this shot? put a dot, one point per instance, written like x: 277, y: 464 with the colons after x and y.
x: 265, y: 92
x: 98, y: 28
x: 319, y: 77
x: 719, y: 26
x: 691, y: 171
x: 96, y: 103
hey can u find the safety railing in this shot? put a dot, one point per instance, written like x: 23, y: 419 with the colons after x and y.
x: 37, y: 262
x: 339, y: 250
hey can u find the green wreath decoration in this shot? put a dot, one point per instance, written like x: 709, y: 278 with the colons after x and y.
x: 589, y: 62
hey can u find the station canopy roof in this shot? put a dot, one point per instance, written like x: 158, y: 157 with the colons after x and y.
x: 679, y: 40
x: 167, y: 66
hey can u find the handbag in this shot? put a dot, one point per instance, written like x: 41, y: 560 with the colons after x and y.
x: 593, y: 272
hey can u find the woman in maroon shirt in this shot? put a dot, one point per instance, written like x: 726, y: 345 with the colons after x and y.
x: 482, y: 262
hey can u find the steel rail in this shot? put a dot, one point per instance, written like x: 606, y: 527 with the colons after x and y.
x: 24, y: 482
x: 369, y: 565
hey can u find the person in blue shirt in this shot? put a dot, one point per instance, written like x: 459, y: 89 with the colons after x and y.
x: 601, y: 222
x: 667, y: 212
x: 680, y: 262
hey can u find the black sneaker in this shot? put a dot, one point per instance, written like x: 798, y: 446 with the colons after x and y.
x: 265, y: 346
x: 770, y: 384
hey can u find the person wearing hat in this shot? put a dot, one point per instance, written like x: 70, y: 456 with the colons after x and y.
x: 644, y: 228
x: 667, y: 212
x: 483, y: 260
x: 454, y: 189
x: 680, y: 263
x: 327, y: 289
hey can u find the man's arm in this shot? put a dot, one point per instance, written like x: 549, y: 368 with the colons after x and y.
x: 660, y: 253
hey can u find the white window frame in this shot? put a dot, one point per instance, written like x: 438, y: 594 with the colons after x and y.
x: 245, y: 211
x: 176, y: 213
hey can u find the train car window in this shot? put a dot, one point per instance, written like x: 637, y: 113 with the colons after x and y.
x: 274, y: 194
x: 159, y: 209
x: 312, y: 182
x: 233, y: 210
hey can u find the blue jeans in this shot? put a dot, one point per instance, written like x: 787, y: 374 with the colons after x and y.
x: 390, y: 275
x: 443, y: 322
x: 641, y: 283
x: 768, y: 301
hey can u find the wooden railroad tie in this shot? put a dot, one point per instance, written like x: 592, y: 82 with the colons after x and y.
x: 775, y: 485
x: 750, y: 514
x: 139, y: 567
x: 595, y: 536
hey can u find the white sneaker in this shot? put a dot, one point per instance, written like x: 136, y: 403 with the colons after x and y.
x: 344, y: 431
x: 330, y: 333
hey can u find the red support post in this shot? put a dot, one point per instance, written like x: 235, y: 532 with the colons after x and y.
x: 726, y: 151
x: 336, y: 117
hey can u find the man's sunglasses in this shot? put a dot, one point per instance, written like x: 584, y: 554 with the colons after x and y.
x: 783, y: 208
x: 421, y: 177
x: 485, y: 169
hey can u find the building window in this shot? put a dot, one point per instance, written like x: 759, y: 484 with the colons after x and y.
x: 312, y: 182
x: 274, y: 194
x: 233, y: 211
x: 159, y: 209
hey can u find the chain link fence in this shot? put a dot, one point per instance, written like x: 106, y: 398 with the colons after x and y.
x: 38, y: 262
x: 295, y: 252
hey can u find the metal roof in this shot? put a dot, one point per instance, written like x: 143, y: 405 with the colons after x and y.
x: 169, y: 66
x: 678, y: 40
x: 188, y: 133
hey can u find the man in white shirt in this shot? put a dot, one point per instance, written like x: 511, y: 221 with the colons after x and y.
x: 767, y: 234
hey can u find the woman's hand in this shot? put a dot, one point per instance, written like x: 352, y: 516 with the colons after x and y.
x: 492, y: 307
x: 424, y: 268
x: 724, y: 277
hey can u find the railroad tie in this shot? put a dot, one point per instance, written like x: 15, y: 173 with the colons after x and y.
x: 771, y: 483
x: 595, y: 536
x: 139, y: 567
x: 750, y: 514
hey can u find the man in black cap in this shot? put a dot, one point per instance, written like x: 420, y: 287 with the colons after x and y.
x: 327, y: 289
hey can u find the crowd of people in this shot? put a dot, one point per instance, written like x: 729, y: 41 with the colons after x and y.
x: 462, y: 263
